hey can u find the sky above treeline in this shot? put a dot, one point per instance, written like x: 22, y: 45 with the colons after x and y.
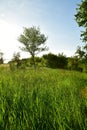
x: 54, y: 17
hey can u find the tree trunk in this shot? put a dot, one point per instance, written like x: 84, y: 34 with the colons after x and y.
x: 33, y: 60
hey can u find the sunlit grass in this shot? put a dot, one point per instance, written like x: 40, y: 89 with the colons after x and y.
x: 43, y: 99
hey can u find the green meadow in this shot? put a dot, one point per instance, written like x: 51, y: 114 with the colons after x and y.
x: 43, y: 99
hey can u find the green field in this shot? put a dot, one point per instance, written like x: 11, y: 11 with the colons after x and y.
x: 43, y: 99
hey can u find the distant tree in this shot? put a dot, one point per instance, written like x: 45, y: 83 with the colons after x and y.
x: 73, y: 63
x: 62, y: 61
x: 56, y: 61
x: 80, y: 53
x: 16, y: 58
x: 51, y: 60
x: 1, y: 57
x: 33, y: 41
x: 81, y: 18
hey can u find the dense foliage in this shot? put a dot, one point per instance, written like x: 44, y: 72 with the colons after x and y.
x: 56, y: 61
x: 81, y: 18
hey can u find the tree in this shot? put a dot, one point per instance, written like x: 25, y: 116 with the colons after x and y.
x: 81, y: 18
x: 51, y: 60
x: 80, y: 53
x: 56, y: 61
x: 16, y: 58
x: 73, y: 63
x: 62, y: 61
x: 33, y: 41
x: 1, y: 57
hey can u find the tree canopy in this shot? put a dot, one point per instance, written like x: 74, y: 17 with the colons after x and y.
x: 33, y: 41
x: 81, y: 18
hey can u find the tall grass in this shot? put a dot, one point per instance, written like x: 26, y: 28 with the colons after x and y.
x: 42, y: 100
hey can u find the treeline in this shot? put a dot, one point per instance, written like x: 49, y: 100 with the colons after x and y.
x: 50, y: 60
x: 76, y: 62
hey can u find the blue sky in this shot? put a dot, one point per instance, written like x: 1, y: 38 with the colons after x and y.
x: 54, y: 17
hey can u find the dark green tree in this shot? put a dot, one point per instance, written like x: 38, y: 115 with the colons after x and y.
x: 62, y: 61
x: 51, y: 60
x: 33, y: 41
x: 56, y: 61
x: 73, y: 63
x: 81, y: 18
x: 80, y: 53
x: 16, y: 58
x: 1, y: 57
